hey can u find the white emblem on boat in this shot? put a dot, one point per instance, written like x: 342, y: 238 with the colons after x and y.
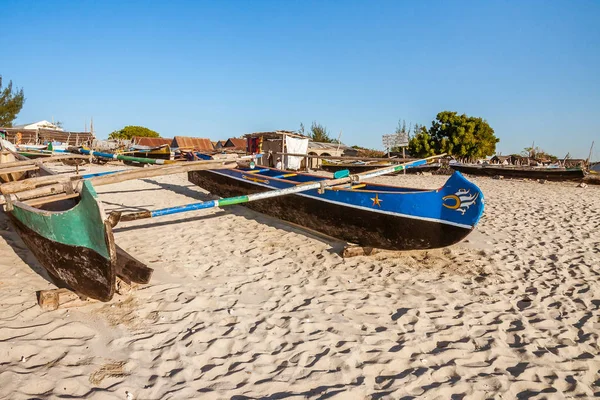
x: 460, y: 201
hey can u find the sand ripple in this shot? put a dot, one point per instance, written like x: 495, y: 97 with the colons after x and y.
x: 245, y: 307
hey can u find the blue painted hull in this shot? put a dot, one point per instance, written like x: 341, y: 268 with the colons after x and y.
x: 379, y: 216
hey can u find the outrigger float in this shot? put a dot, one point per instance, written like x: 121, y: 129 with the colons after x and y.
x: 63, y: 223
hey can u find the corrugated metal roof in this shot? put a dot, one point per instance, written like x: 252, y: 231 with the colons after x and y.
x: 238, y: 143
x: 152, y: 142
x: 184, y: 142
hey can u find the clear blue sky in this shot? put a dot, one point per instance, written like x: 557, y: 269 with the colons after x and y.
x: 224, y: 68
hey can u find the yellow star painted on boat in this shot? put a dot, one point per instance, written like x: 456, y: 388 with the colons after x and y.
x: 376, y: 200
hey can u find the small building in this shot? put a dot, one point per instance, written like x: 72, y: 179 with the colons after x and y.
x: 235, y: 144
x: 269, y: 145
x: 39, y: 125
x: 501, y: 160
x: 192, y: 143
x: 328, y: 150
x: 150, y: 141
x: 220, y: 144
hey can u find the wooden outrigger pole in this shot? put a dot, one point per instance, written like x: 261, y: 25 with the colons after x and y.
x: 120, y: 157
x: 56, y: 184
x: 321, y: 185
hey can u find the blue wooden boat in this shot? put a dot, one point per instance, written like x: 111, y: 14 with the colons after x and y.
x: 368, y: 214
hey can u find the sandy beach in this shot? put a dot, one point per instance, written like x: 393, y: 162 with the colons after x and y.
x: 243, y: 306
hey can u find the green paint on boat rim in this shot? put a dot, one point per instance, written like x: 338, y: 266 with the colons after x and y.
x: 233, y: 200
x: 82, y: 225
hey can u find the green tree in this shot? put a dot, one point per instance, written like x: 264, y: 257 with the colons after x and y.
x: 10, y: 103
x: 421, y: 144
x: 457, y: 135
x: 318, y: 133
x: 130, y: 131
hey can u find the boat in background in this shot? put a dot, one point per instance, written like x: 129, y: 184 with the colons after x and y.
x: 551, y: 174
x: 371, y: 215
x: 359, y: 167
x: 162, y: 152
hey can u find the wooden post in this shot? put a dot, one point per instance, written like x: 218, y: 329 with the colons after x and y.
x: 403, y: 157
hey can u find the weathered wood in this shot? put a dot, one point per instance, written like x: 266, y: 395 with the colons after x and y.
x: 50, y: 300
x: 43, y: 160
x: 162, y: 170
x: 27, y: 189
x: 53, y: 299
x: 50, y: 199
x: 354, y: 251
x: 23, y: 168
x: 130, y: 269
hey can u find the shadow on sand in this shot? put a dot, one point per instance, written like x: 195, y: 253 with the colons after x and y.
x: 337, y: 246
x: 10, y: 235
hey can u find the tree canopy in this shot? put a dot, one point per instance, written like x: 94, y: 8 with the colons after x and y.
x: 458, y: 135
x: 130, y: 131
x: 319, y: 133
x: 11, y: 103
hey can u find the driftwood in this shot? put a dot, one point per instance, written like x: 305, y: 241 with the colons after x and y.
x: 354, y: 251
x: 57, y: 184
x: 53, y: 299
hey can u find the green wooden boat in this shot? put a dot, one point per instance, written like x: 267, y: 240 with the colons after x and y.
x: 72, y: 239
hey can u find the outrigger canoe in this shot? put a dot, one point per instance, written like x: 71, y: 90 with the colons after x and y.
x: 72, y: 239
x: 367, y: 214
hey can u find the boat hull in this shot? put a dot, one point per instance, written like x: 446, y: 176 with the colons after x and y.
x: 345, y: 222
x: 75, y: 244
x: 521, y: 173
x: 76, y: 267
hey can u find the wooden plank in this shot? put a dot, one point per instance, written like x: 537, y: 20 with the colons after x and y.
x: 43, y: 160
x: 27, y: 189
x: 50, y: 199
x: 50, y: 300
x: 23, y: 168
x: 355, y: 251
x: 53, y: 299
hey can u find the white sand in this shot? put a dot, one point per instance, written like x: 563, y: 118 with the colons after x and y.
x: 244, y: 306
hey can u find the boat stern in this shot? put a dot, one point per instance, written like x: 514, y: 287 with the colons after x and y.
x: 462, y: 202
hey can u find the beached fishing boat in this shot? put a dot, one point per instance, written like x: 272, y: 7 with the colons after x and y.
x: 162, y: 152
x: 72, y: 238
x: 552, y: 174
x: 371, y: 215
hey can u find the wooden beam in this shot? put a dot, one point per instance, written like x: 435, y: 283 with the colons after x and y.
x: 23, y: 168
x: 50, y: 199
x: 27, y: 189
x: 43, y: 160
